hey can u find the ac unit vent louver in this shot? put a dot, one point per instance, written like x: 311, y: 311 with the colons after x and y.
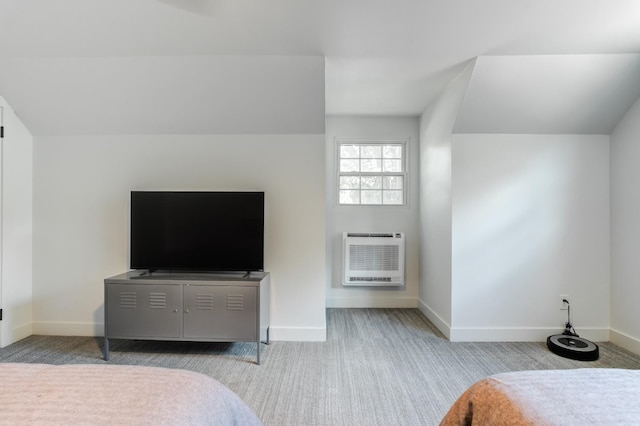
x: 373, y: 259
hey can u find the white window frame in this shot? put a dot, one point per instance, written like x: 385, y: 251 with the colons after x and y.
x: 404, y: 143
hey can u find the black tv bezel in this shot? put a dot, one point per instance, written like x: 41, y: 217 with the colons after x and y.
x: 170, y: 267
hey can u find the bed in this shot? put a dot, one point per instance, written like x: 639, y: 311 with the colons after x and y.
x: 116, y: 395
x: 588, y: 396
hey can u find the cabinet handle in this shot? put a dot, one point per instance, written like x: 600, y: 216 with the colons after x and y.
x: 175, y: 311
x: 186, y: 311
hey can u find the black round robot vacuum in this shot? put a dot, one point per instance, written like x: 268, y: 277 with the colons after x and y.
x: 570, y: 345
x: 574, y: 347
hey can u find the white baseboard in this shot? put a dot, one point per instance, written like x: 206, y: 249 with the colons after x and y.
x: 507, y: 334
x: 625, y: 341
x: 435, y: 319
x: 319, y: 334
x: 292, y: 334
x: 21, y: 331
x: 68, y: 329
x: 519, y: 334
x: 371, y: 302
x: 18, y: 332
x: 298, y: 334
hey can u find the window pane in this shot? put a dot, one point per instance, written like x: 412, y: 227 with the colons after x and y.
x: 372, y: 182
x: 392, y: 166
x: 349, y: 165
x: 371, y: 173
x: 349, y: 151
x: 371, y: 166
x: 392, y: 151
x: 349, y: 197
x: 392, y: 197
x: 371, y: 151
x: 349, y: 182
x: 371, y: 197
x: 393, y: 182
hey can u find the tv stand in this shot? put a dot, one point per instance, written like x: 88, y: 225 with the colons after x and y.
x: 200, y: 307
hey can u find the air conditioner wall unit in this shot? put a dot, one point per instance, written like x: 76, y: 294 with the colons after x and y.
x: 373, y: 259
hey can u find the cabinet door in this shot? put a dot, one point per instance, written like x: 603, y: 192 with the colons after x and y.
x: 220, y: 312
x: 143, y: 311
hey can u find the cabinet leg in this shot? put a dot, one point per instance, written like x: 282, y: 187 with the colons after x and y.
x: 266, y: 342
x: 106, y: 348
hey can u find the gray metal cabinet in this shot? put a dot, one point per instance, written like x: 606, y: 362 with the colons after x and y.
x: 220, y: 312
x: 187, y: 307
x: 143, y: 311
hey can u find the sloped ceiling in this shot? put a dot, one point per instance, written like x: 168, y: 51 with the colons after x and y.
x: 167, y: 95
x: 277, y: 66
x: 552, y: 94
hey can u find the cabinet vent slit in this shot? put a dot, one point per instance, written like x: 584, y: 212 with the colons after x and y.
x: 128, y: 299
x: 204, y: 302
x: 158, y: 300
x: 235, y: 302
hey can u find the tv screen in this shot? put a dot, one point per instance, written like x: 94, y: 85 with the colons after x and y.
x: 197, y: 231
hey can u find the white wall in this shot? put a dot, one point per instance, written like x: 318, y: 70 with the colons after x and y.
x: 625, y: 231
x: 530, y: 222
x: 81, y: 210
x: 435, y: 202
x: 16, y: 195
x: 371, y: 218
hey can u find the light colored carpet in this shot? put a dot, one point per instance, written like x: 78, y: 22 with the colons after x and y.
x: 377, y: 367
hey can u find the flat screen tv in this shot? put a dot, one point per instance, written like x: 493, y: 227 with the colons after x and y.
x: 197, y: 231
